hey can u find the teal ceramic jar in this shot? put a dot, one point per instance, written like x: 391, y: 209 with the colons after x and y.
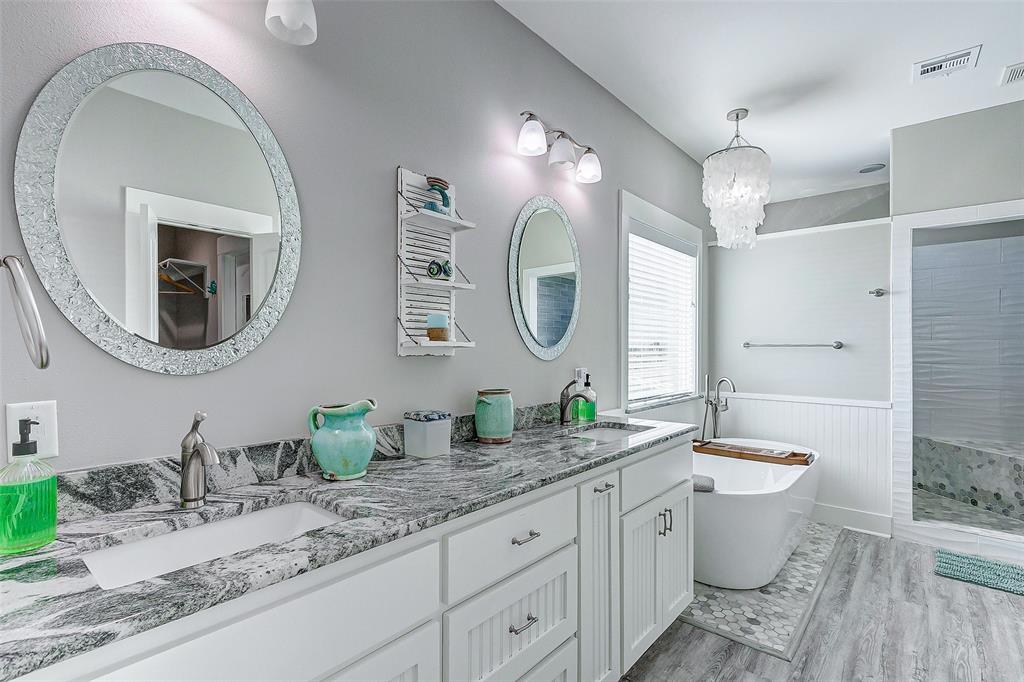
x: 344, y: 443
x: 494, y: 415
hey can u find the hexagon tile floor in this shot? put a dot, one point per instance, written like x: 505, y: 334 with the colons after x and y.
x: 772, y: 618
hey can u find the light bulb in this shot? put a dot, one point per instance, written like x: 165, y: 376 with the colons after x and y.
x: 532, y: 141
x: 293, y: 21
x: 588, y: 170
x: 562, y: 154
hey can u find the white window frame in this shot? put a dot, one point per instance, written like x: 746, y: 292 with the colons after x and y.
x: 633, y: 208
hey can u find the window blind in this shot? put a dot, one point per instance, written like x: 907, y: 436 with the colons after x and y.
x: 662, y: 312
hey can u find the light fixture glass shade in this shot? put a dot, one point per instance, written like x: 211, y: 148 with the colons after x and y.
x: 532, y: 141
x: 562, y: 154
x: 737, y: 183
x: 588, y: 170
x: 293, y: 21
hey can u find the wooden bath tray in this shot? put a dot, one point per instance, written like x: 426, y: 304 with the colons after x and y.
x: 710, y: 447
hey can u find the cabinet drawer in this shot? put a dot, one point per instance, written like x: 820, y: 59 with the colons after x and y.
x: 558, y: 667
x: 329, y: 626
x: 507, y: 630
x: 647, y: 479
x: 416, y: 657
x: 493, y: 549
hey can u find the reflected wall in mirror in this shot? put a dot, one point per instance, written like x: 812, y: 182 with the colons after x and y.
x: 175, y: 209
x: 544, y: 277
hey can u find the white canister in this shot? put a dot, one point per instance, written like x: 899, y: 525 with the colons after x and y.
x: 428, y: 433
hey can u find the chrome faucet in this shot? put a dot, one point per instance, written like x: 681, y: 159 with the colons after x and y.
x: 567, y: 397
x: 196, y: 455
x: 717, y: 406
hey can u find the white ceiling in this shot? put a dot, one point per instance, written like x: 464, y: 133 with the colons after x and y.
x: 824, y: 81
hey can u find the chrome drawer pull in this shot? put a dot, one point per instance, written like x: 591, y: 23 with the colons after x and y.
x: 664, y: 523
x: 671, y: 523
x: 604, y: 489
x: 531, y: 620
x: 534, y: 534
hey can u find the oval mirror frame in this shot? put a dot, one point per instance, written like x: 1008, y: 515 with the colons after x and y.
x: 538, y: 203
x: 35, y: 166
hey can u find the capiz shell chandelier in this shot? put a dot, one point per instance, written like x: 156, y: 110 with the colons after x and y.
x: 737, y: 184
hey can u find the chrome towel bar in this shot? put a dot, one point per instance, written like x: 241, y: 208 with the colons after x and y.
x: 835, y: 344
x: 27, y: 312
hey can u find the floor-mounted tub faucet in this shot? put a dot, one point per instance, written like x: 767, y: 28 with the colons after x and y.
x: 716, y: 406
x: 196, y: 455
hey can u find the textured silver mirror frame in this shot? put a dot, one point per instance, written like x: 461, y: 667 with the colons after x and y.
x: 35, y: 165
x: 541, y: 201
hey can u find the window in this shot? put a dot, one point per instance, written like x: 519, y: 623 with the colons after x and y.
x: 661, y: 317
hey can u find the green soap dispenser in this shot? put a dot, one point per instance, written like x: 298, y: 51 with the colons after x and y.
x: 28, y: 497
x: 588, y: 408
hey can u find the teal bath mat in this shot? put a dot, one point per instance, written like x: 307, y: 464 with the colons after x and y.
x: 985, y: 572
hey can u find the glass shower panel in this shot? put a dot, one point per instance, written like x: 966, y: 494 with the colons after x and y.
x: 968, y: 339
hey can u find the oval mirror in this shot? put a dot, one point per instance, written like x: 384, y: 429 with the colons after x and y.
x: 544, y: 277
x: 173, y: 239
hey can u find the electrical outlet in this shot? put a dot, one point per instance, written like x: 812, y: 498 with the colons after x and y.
x: 45, y: 434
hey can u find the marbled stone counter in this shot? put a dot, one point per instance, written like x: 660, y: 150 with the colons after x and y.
x: 51, y: 607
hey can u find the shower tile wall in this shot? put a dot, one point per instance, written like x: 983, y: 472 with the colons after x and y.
x: 555, y: 298
x: 968, y: 333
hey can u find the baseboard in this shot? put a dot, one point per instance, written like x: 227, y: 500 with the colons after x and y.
x: 854, y: 519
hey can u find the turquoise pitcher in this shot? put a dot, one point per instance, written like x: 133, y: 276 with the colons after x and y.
x: 344, y: 443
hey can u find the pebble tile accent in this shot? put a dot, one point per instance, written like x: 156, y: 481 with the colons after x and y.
x: 987, y: 475
x: 770, y: 618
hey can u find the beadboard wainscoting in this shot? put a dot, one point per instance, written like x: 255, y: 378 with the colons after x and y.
x: 853, y: 437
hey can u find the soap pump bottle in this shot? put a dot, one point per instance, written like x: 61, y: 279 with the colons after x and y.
x: 581, y: 375
x: 28, y: 497
x: 588, y: 408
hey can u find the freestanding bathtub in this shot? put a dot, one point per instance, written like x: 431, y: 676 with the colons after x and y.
x: 746, y: 529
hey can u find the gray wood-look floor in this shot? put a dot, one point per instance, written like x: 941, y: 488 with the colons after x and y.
x: 882, y: 615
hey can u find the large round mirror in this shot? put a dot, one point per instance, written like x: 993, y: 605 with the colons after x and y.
x: 544, y: 277
x: 174, y: 212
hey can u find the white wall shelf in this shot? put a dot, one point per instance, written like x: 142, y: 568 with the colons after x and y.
x: 438, y: 284
x: 425, y: 236
x: 437, y: 221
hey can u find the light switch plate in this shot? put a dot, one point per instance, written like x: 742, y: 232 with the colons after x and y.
x: 45, y: 434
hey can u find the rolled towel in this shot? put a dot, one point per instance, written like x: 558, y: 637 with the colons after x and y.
x: 703, y: 484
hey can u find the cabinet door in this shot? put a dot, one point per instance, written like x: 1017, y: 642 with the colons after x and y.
x: 642, y: 530
x: 599, y: 579
x: 557, y: 667
x: 416, y: 657
x: 675, y: 552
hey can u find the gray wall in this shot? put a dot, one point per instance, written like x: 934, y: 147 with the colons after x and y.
x: 804, y: 288
x: 847, y: 206
x: 347, y: 110
x: 963, y: 160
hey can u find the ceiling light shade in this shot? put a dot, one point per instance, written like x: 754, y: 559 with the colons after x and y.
x: 737, y: 185
x: 589, y: 168
x: 562, y: 155
x: 293, y: 21
x: 532, y: 141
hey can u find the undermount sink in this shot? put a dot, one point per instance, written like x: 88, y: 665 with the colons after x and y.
x: 129, y: 563
x: 604, y: 434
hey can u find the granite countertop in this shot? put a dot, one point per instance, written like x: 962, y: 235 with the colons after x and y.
x: 51, y: 608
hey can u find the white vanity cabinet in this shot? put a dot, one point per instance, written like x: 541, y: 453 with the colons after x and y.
x: 571, y: 581
x: 657, y: 568
x: 413, y: 658
x: 599, y: 649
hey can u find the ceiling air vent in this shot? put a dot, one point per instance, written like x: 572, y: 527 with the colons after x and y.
x: 947, y: 64
x: 1014, y: 73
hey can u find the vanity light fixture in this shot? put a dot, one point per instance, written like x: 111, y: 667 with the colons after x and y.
x: 562, y: 154
x: 737, y: 184
x: 533, y: 141
x: 293, y: 21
